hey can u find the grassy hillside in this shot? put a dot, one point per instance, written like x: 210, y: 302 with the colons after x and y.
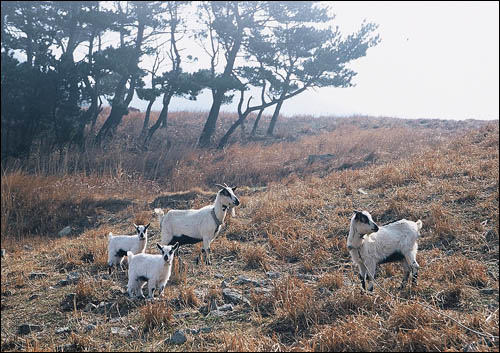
x: 284, y: 252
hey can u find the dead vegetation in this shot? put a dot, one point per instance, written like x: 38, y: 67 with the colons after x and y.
x: 284, y: 253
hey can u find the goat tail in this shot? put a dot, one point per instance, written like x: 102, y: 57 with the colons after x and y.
x: 419, y: 225
x: 110, y: 235
x: 130, y: 255
x: 160, y: 214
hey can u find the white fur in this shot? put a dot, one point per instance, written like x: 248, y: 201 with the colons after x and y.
x: 156, y: 268
x: 380, y: 243
x: 197, y: 224
x: 134, y: 243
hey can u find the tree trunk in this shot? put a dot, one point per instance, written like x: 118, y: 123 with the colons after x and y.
x: 276, y: 113
x: 225, y: 138
x: 256, y: 123
x: 162, y: 119
x: 146, y: 117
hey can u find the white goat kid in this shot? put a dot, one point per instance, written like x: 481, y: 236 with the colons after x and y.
x: 154, y: 269
x: 118, y: 245
x: 193, y: 226
x: 371, y: 245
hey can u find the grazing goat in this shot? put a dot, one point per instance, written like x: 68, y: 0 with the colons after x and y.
x: 118, y: 245
x: 154, y: 269
x: 193, y: 226
x: 370, y: 245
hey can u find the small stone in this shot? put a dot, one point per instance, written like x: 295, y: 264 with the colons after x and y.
x: 361, y: 191
x: 37, y: 275
x: 205, y: 329
x: 34, y: 296
x: 3, y: 252
x: 273, y: 275
x: 120, y: 331
x: 63, y: 330
x: 217, y: 275
x: 24, y: 329
x: 28, y: 247
x: 65, y: 231
x: 90, y: 327
x: 225, y: 307
x: 73, y: 277
x: 179, y: 337
x: 90, y: 307
x: 233, y: 296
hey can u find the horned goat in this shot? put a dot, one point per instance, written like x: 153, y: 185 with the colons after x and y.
x: 371, y: 245
x: 196, y: 225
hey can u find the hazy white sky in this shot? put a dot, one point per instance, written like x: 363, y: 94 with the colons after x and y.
x: 435, y: 60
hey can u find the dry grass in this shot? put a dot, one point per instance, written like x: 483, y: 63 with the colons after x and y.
x: 296, y: 226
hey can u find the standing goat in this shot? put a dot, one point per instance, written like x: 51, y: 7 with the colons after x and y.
x: 118, y: 245
x: 154, y: 269
x: 193, y: 226
x: 370, y: 245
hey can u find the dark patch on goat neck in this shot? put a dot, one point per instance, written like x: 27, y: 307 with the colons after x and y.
x: 142, y: 278
x: 184, y: 239
x: 394, y: 257
x: 121, y: 253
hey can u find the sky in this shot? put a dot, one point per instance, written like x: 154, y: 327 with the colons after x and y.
x: 435, y: 60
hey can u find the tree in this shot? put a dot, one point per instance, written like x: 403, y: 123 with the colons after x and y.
x: 143, y: 17
x: 227, y: 27
x: 301, y: 55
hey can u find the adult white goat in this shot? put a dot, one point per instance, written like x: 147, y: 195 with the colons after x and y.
x: 193, y: 226
x: 118, y: 245
x: 154, y: 269
x: 370, y: 245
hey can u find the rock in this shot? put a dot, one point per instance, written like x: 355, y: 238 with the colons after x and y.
x: 7, y: 293
x: 273, y: 275
x: 65, y: 231
x: 488, y: 291
x: 28, y: 247
x: 87, y: 258
x: 61, y: 330
x: 179, y: 337
x: 225, y: 307
x: 37, y: 275
x: 90, y: 327
x: 182, y: 315
x: 62, y: 283
x: 3, y: 252
x: 90, y: 307
x: 120, y: 331
x: 205, y: 329
x: 242, y: 279
x: 233, y: 296
x: 73, y: 277
x: 225, y: 283
x: 24, y: 329
x: 34, y: 296
x: 307, y: 277
x: 361, y: 191
x: 217, y: 275
x: 218, y: 313
x: 263, y: 290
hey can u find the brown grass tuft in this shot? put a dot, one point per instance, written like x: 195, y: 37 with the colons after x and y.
x: 156, y: 315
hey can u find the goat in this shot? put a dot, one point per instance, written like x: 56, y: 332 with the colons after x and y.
x: 370, y: 245
x: 193, y: 226
x: 154, y: 269
x: 118, y: 245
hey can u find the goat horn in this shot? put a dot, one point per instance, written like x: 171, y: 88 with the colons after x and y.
x: 222, y: 186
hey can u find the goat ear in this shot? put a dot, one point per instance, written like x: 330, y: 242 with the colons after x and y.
x: 136, y: 227
x: 159, y: 247
x: 147, y: 226
x: 234, y: 188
